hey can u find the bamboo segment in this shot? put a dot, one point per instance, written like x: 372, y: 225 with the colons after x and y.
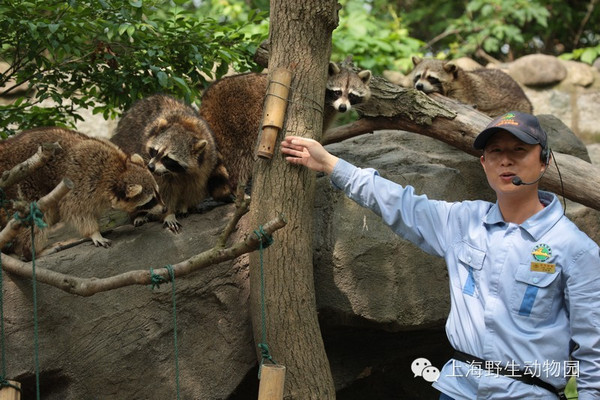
x: 274, y: 111
x: 9, y: 392
x: 272, y: 380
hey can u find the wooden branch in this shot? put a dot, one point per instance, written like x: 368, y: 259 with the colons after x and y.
x: 90, y: 286
x: 242, y: 204
x: 457, y: 124
x: 27, y: 167
x: 49, y: 201
x: 584, y: 21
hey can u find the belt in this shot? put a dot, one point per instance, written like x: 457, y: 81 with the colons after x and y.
x: 518, y: 375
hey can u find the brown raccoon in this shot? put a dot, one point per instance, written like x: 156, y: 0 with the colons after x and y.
x: 490, y: 91
x: 103, y: 177
x: 178, y: 147
x: 232, y: 106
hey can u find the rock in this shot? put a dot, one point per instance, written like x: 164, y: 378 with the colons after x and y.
x: 596, y: 64
x: 381, y: 301
x: 119, y: 344
x: 561, y: 139
x: 537, y: 70
x: 398, y: 78
x: 578, y: 73
x: 594, y: 152
x: 467, y: 64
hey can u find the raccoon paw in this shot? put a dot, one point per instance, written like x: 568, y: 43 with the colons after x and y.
x: 139, y: 221
x: 170, y: 221
x: 99, y: 240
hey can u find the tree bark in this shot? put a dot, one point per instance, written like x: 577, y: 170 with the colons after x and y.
x: 300, y: 40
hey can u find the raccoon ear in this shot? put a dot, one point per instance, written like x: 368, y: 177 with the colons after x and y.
x: 365, y: 76
x: 132, y: 190
x: 161, y: 123
x: 450, y: 67
x: 333, y: 68
x: 189, y: 123
x: 416, y: 60
x: 137, y: 159
x: 200, y: 145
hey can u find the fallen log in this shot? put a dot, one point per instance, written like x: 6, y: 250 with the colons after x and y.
x: 457, y: 124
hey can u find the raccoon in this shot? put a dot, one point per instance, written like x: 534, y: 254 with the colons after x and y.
x: 233, y: 107
x: 490, y: 91
x: 104, y: 177
x: 179, y: 149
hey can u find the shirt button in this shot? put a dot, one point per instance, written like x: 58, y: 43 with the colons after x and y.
x: 469, y: 259
x: 536, y: 280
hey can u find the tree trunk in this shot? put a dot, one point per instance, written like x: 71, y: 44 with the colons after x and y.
x: 300, y: 40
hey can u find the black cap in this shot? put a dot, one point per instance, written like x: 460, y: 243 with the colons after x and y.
x: 524, y: 126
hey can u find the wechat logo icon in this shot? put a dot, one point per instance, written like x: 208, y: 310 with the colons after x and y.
x: 422, y: 367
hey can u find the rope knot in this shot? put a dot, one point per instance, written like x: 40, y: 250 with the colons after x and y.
x: 264, y: 351
x: 6, y: 383
x: 265, y: 239
x: 35, y: 216
x: 157, y: 280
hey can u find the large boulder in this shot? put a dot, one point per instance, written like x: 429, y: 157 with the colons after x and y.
x: 119, y: 344
x: 537, y: 70
x: 382, y: 302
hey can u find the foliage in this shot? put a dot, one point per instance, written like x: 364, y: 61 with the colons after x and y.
x: 376, y: 40
x: 504, y: 29
x: 104, y: 55
x: 586, y: 54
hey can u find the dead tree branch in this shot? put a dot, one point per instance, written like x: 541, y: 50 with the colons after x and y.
x: 89, y: 286
x: 27, y: 167
x: 49, y: 201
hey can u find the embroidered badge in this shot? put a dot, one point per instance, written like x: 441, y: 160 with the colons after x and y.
x: 541, y: 252
x: 508, y: 119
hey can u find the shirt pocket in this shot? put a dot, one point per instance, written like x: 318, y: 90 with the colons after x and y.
x: 534, y: 292
x: 470, y: 264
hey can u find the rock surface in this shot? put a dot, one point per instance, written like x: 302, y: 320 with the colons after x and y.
x: 382, y: 302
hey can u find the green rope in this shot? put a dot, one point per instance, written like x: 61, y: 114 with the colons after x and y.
x: 35, y: 218
x: 156, y: 280
x: 265, y: 240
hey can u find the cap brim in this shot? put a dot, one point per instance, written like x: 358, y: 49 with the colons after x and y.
x: 483, y: 137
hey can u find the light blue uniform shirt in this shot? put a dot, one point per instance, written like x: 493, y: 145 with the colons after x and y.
x: 521, y: 295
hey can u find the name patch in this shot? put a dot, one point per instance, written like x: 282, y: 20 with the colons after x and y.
x: 543, y: 267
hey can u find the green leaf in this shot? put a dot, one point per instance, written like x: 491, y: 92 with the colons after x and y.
x: 162, y: 79
x: 589, y: 55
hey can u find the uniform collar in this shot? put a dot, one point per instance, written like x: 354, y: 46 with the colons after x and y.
x: 539, y: 223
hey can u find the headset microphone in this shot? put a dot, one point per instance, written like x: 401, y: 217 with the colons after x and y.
x: 517, y: 180
x: 545, y: 157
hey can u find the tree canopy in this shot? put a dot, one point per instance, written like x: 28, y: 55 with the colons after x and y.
x: 106, y: 54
